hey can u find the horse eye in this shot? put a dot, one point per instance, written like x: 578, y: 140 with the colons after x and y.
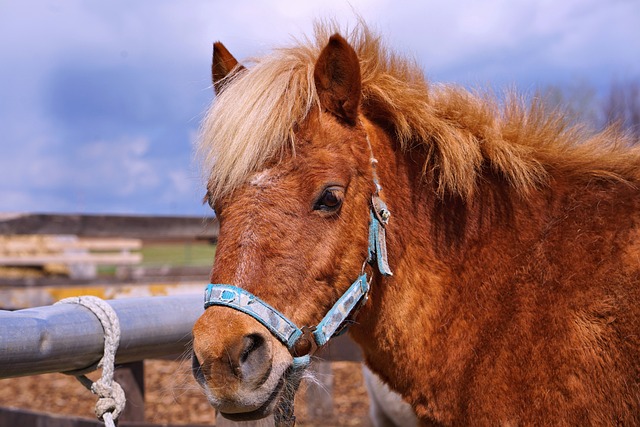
x: 330, y: 200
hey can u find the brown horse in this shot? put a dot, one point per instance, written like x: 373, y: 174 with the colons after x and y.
x: 514, y: 239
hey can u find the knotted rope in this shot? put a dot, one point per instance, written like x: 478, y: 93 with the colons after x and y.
x: 111, y: 398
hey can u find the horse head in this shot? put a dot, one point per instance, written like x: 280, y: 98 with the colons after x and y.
x: 293, y: 230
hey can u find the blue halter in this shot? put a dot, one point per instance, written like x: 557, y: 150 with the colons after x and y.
x: 333, y: 323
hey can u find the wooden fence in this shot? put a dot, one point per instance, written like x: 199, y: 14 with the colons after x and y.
x: 78, y: 257
x: 134, y: 226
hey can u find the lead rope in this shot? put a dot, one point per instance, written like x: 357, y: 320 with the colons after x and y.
x: 111, y: 397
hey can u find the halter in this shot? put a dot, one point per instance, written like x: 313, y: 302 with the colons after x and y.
x: 332, y: 324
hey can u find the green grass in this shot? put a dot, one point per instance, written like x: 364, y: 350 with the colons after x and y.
x: 195, y: 254
x: 182, y: 255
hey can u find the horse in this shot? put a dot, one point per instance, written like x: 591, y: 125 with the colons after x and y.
x: 482, y: 250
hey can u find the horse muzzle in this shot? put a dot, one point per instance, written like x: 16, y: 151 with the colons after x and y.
x: 241, y: 367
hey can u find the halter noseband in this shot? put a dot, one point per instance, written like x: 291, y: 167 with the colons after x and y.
x: 334, y: 322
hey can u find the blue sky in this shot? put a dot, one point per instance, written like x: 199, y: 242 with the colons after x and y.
x: 100, y: 101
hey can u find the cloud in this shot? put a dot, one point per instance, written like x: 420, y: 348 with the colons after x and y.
x: 523, y: 42
x: 120, y: 167
x: 100, y: 100
x: 97, y: 107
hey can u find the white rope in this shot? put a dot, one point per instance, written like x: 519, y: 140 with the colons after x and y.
x: 111, y: 398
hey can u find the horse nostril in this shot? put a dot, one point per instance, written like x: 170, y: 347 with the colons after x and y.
x: 196, y: 369
x: 250, y: 359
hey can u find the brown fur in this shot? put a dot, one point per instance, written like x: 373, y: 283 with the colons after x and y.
x: 514, y: 241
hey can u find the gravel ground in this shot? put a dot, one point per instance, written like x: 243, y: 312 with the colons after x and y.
x: 173, y: 397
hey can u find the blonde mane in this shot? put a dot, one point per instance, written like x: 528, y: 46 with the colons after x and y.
x: 253, y: 120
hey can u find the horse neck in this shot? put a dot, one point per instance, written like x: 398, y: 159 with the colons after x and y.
x: 382, y: 323
x: 431, y: 240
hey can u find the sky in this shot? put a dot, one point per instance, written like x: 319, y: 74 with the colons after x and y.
x: 100, y: 101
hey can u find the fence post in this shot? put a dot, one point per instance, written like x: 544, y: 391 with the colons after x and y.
x: 131, y: 377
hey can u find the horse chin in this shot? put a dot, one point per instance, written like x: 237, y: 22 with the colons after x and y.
x: 251, y: 413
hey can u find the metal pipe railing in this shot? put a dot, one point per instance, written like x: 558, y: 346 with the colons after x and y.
x: 66, y: 337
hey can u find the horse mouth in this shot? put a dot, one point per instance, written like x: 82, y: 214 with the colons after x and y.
x: 263, y: 411
x: 235, y: 413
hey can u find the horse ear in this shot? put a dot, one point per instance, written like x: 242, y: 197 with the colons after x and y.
x: 223, y: 65
x: 337, y: 78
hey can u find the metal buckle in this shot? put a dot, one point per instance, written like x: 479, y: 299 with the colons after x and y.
x: 380, y: 210
x: 306, y: 343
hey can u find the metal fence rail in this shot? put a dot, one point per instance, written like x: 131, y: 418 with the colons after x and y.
x: 67, y: 337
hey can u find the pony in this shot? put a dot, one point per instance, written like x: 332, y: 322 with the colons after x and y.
x: 506, y: 289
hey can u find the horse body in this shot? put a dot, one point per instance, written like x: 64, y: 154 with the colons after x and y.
x: 515, y: 252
